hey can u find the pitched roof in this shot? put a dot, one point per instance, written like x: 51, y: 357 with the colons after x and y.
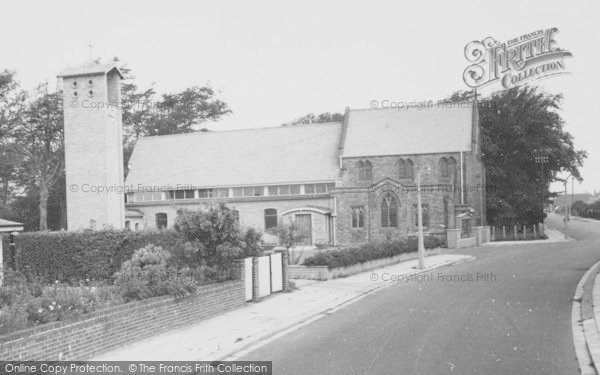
x: 285, y: 154
x: 90, y: 68
x: 393, y: 131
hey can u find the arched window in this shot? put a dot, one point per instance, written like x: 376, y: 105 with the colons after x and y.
x: 365, y: 171
x: 161, y: 220
x: 358, y: 217
x: 270, y: 218
x: 409, y: 169
x: 446, y: 213
x: 361, y: 170
x: 451, y: 166
x: 389, y: 212
x: 401, y: 168
x: 443, y: 167
x: 368, y: 171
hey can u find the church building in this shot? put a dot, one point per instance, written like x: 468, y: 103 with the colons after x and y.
x: 341, y: 183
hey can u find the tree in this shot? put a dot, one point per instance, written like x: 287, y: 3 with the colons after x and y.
x: 513, y: 123
x: 311, y: 118
x: 137, y: 107
x: 182, y: 112
x: 214, y: 239
x: 12, y: 100
x: 40, y: 146
x: 174, y: 113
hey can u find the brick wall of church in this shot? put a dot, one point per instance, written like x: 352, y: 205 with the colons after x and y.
x: 357, y: 193
x: 251, y: 212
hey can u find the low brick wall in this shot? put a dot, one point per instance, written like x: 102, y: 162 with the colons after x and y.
x: 108, y: 329
x: 467, y: 242
x: 324, y: 273
x: 309, y: 272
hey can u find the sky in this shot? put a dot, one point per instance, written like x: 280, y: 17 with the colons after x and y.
x: 274, y: 61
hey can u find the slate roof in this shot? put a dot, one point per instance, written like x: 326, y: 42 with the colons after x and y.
x: 390, y: 131
x: 278, y: 155
x: 90, y: 68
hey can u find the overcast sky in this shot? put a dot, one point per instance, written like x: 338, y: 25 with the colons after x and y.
x: 274, y: 61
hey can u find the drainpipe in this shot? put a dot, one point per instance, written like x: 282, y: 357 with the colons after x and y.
x: 333, y: 220
x: 462, y: 181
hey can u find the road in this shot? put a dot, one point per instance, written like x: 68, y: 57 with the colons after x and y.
x: 516, y: 322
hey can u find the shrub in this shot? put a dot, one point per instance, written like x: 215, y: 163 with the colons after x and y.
x: 148, y: 274
x: 86, y: 255
x: 371, y: 251
x: 214, y: 240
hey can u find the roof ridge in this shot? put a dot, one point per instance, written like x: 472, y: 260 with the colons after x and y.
x: 321, y: 124
x: 414, y: 107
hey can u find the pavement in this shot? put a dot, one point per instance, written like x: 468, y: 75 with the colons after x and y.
x: 586, y: 318
x: 237, y: 332
x: 506, y: 312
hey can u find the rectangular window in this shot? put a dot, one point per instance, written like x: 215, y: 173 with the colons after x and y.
x: 295, y: 189
x: 147, y: 196
x: 330, y: 187
x: 161, y: 220
x: 284, y: 190
x: 177, y: 194
x: 238, y: 192
x: 259, y: 191
x: 358, y: 218
x: 157, y: 196
x: 130, y: 197
x: 309, y: 189
x: 273, y: 190
x: 223, y: 193
x: 189, y: 194
x: 320, y: 188
x: 270, y: 218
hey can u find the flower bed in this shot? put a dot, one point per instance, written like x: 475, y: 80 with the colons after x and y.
x: 368, y: 252
x: 325, y: 273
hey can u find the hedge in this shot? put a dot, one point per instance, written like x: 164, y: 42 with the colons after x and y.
x: 371, y: 251
x: 93, y: 255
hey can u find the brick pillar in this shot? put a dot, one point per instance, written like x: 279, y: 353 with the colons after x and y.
x: 453, y: 238
x: 487, y: 235
x: 285, y: 260
x: 478, y: 233
x: 255, y: 279
x: 239, y: 269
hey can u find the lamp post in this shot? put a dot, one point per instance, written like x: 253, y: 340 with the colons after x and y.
x: 421, y: 240
x: 540, y: 157
x: 566, y: 218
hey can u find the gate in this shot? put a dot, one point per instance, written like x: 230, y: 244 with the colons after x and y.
x: 276, y: 272
x: 270, y: 275
x: 248, y: 280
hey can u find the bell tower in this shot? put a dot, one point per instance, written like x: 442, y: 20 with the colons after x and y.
x: 93, y: 146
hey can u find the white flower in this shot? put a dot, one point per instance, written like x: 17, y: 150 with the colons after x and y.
x: 40, y: 311
x: 51, y: 307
